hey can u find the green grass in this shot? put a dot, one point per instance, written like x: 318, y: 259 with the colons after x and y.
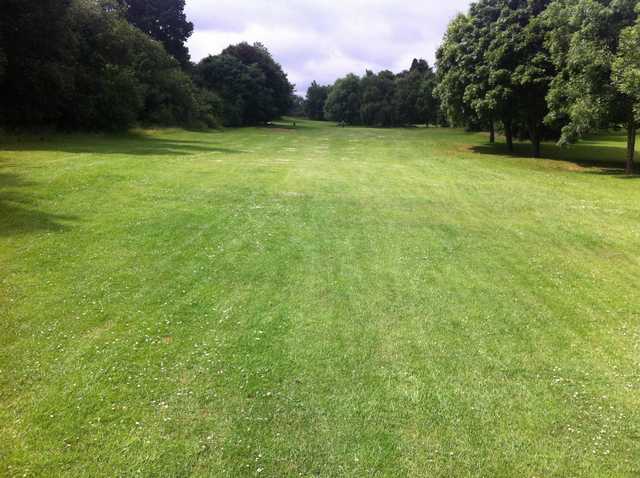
x: 317, y: 302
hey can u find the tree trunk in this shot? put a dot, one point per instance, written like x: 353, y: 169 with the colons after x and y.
x: 536, y: 147
x: 508, y: 132
x: 631, y: 146
x: 492, y: 131
x: 534, y: 133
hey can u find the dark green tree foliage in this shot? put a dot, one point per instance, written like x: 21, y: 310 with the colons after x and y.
x: 253, y: 87
x: 594, y: 49
x: 3, y: 63
x: 520, y: 64
x: 626, y: 78
x: 157, y: 91
x: 376, y: 104
x: 344, y: 100
x: 37, y: 74
x: 3, y: 56
x: 316, y: 99
x: 277, y: 83
x: 163, y: 20
x: 456, y: 64
x: 543, y: 68
x: 483, y: 93
x: 493, y: 64
x: 297, y: 106
x: 106, y: 92
x: 414, y: 99
x: 80, y: 65
x: 230, y: 79
x: 385, y: 99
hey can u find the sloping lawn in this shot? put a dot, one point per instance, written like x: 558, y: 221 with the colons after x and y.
x: 318, y: 301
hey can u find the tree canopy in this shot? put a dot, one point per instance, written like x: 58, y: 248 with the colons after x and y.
x: 626, y: 78
x: 414, y: 101
x: 163, y: 20
x: 343, y: 102
x: 384, y: 98
x: 253, y: 87
x: 542, y: 68
x: 78, y: 64
x: 532, y: 69
x: 316, y: 99
x: 493, y: 64
x: 110, y: 64
x: 592, y: 46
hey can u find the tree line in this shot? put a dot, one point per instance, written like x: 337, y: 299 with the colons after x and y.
x: 543, y: 69
x: 110, y: 64
x: 383, y: 99
x: 530, y: 69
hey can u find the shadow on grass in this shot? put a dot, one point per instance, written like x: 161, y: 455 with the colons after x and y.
x: 590, y: 155
x: 134, y: 144
x: 17, y: 214
x: 287, y: 123
x: 281, y: 127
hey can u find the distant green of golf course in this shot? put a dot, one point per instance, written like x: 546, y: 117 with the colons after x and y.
x: 317, y: 302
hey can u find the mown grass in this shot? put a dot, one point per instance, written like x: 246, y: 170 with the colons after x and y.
x: 317, y: 302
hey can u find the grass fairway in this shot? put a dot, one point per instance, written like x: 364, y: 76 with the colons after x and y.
x: 317, y: 302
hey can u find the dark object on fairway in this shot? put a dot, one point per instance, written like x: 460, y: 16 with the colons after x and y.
x: 294, y: 124
x: 342, y: 124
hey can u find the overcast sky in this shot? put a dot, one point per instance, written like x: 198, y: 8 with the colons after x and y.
x: 324, y: 39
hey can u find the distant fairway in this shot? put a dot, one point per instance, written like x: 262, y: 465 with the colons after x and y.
x: 317, y: 302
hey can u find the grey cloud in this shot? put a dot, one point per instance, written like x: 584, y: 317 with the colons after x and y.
x: 323, y: 40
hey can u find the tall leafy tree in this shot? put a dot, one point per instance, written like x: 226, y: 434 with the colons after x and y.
x: 385, y: 99
x: 253, y: 87
x: 520, y: 63
x: 297, y: 106
x: 81, y: 65
x: 414, y: 99
x: 316, y: 99
x: 377, y: 98
x: 494, y: 63
x: 626, y: 78
x: 343, y: 102
x: 471, y: 93
x: 122, y: 76
x: 258, y: 56
x: 455, y: 65
x: 228, y: 77
x: 592, y: 45
x: 36, y: 61
x: 3, y: 61
x: 163, y: 20
x: 487, y: 100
